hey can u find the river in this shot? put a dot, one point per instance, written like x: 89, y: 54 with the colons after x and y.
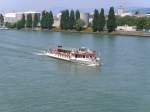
x: 33, y: 82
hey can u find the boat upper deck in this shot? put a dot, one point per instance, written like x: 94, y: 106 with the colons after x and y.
x: 80, y: 51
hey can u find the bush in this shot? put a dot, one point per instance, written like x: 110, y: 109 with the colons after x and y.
x: 79, y: 24
x: 10, y: 25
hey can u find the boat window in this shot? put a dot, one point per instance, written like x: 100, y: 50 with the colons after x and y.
x: 83, y: 56
x: 76, y: 56
x: 59, y: 46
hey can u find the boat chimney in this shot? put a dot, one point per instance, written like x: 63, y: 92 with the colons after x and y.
x: 59, y: 46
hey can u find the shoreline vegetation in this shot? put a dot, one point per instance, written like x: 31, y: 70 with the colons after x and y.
x: 89, y: 31
x: 123, y: 33
x: 70, y: 21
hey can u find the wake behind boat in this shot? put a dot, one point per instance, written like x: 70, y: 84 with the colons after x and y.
x: 81, y: 55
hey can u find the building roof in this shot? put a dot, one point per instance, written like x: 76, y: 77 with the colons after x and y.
x: 10, y: 15
x: 31, y: 12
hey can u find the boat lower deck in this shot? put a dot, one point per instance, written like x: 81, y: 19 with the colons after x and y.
x: 75, y: 60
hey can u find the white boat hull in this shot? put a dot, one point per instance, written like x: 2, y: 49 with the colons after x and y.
x: 76, y: 60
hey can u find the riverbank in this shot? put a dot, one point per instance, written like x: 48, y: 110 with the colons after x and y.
x: 124, y: 33
x: 135, y: 33
x: 89, y: 31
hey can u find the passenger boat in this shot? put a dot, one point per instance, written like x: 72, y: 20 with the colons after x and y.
x: 82, y: 55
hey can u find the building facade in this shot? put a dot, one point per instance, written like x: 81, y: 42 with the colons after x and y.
x: 85, y: 18
x: 57, y: 19
x: 126, y: 28
x: 32, y: 13
x: 12, y: 17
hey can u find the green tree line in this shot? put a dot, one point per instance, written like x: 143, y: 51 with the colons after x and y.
x: 139, y: 22
x: 1, y: 20
x: 70, y: 20
x: 33, y: 21
x: 99, y: 21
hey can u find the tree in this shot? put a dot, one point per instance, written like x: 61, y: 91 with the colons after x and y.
x: 111, y: 22
x: 79, y: 25
x: 72, y: 19
x: 67, y: 24
x: 143, y: 23
x: 77, y: 14
x: 10, y: 25
x: 127, y: 20
x: 1, y: 19
x: 147, y: 26
x: 20, y: 24
x: 47, y: 20
x: 36, y: 20
x: 29, y: 21
x: 95, y: 20
x: 23, y: 20
x: 102, y: 22
x: 51, y: 19
x: 64, y: 22
x: 43, y: 20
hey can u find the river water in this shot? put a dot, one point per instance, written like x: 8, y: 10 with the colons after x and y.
x: 33, y: 82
